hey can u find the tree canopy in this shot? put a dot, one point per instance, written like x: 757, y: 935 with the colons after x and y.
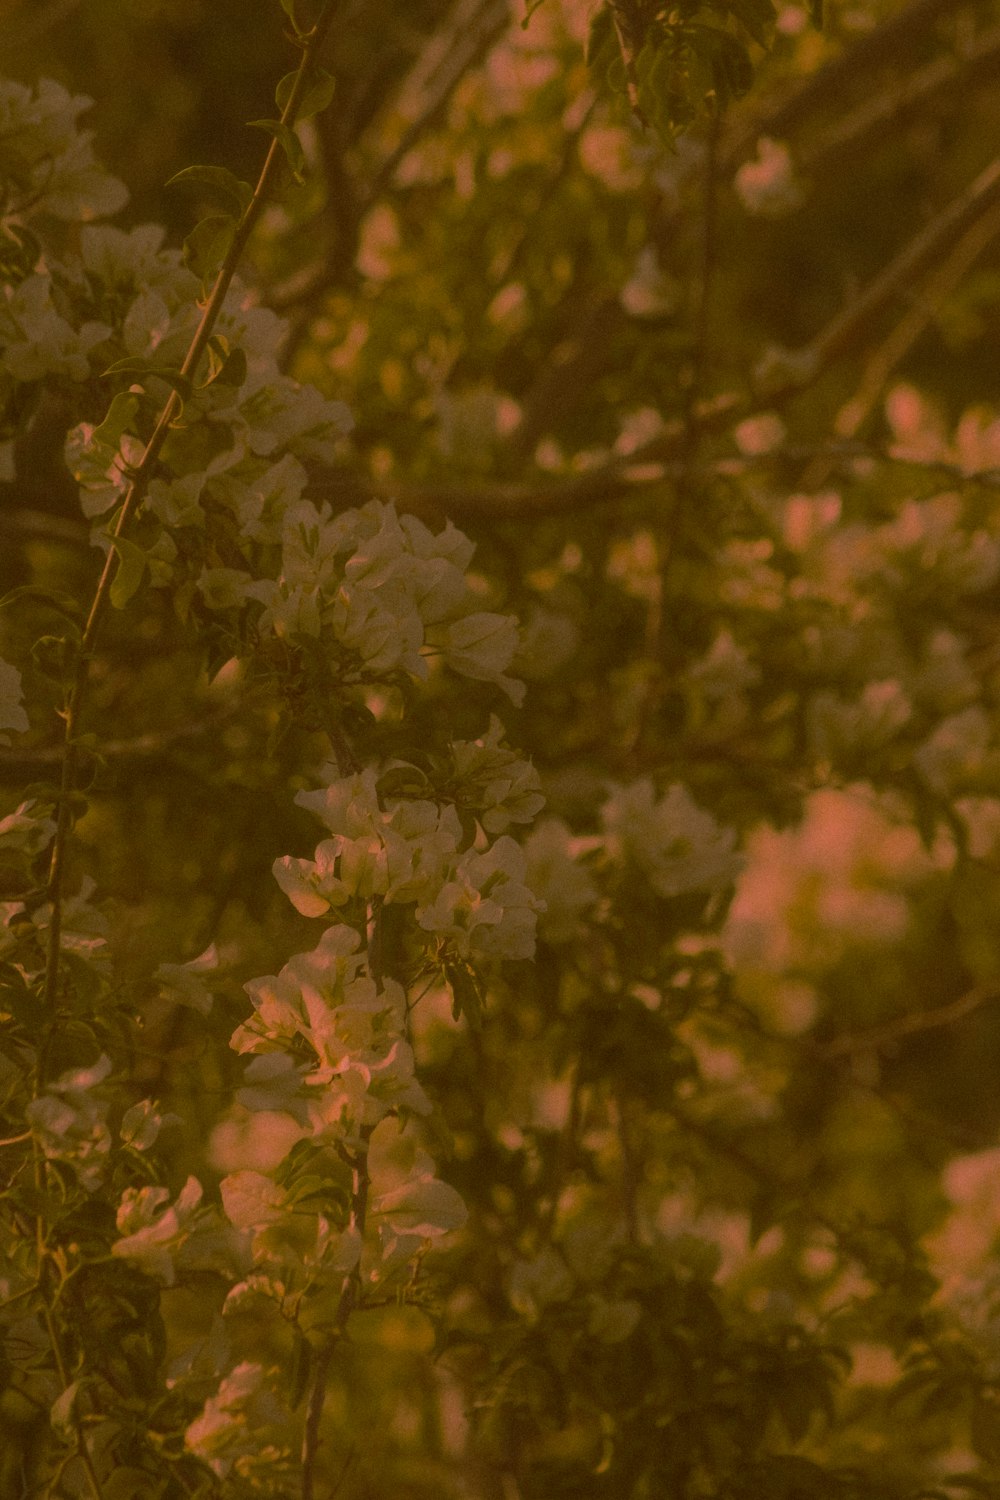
x: 449, y: 1057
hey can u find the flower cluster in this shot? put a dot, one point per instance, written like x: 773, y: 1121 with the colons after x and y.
x: 227, y: 524
x: 677, y: 846
x: 411, y: 852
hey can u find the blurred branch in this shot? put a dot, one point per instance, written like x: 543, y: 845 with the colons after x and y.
x: 473, y: 27
x: 879, y: 48
x: 974, y: 64
x: 846, y: 331
x: 912, y: 1025
x: 155, y: 742
x: 790, y: 373
x: 879, y: 367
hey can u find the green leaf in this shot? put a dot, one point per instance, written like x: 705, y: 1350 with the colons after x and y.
x: 141, y: 370
x: 131, y: 568
x: 225, y: 366
x: 17, y: 997
x: 63, y: 604
x: 54, y: 656
x: 757, y: 17
x: 219, y: 183
x: 208, y: 244
x: 816, y: 13
x: 318, y: 93
x: 599, y: 37
x: 289, y: 143
x: 466, y: 993
x: 19, y: 252
x: 288, y: 6
x: 403, y: 781
x: 121, y: 415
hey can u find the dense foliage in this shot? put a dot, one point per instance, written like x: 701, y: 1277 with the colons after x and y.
x: 500, y: 765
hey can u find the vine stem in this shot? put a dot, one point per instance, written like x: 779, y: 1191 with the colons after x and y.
x: 349, y: 1298
x: 350, y: 1292
x: 311, y: 42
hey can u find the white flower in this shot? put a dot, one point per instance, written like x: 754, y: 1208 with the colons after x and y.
x: 183, y: 983
x: 481, y: 646
x: 485, y: 908
x: 38, y: 340
x: 502, y: 787
x: 47, y: 165
x: 400, y: 853
x: 559, y: 879
x: 534, y: 1284
x: 154, y: 1231
x: 957, y: 752
x: 69, y: 1122
x: 408, y: 1204
x: 767, y: 185
x: 233, y: 1423
x: 26, y: 830
x: 678, y: 847
x: 142, y: 1123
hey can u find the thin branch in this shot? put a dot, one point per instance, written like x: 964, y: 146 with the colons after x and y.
x: 136, y: 492
x: 793, y: 373
x: 879, y: 367
x: 139, y: 746
x: 876, y: 1037
x: 880, y: 48
x: 973, y: 65
x: 349, y: 1297
x: 473, y: 28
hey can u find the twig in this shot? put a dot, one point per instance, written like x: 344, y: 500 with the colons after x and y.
x: 360, y: 1187
x: 135, y: 494
x: 473, y: 28
x: 879, y: 367
x: 973, y: 65
x: 880, y: 48
x: 852, y: 1043
x: 140, y: 745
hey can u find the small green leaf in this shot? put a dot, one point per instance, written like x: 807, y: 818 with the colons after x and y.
x: 208, y: 244
x: 318, y: 93
x: 54, y: 656
x: 600, y: 34
x: 225, y: 366
x: 403, y: 781
x: 131, y: 568
x: 816, y: 13
x: 121, y: 415
x: 289, y: 143
x: 63, y: 604
x: 19, y: 999
x: 219, y: 183
x: 466, y: 993
x: 288, y: 6
x: 141, y: 370
x: 19, y: 252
